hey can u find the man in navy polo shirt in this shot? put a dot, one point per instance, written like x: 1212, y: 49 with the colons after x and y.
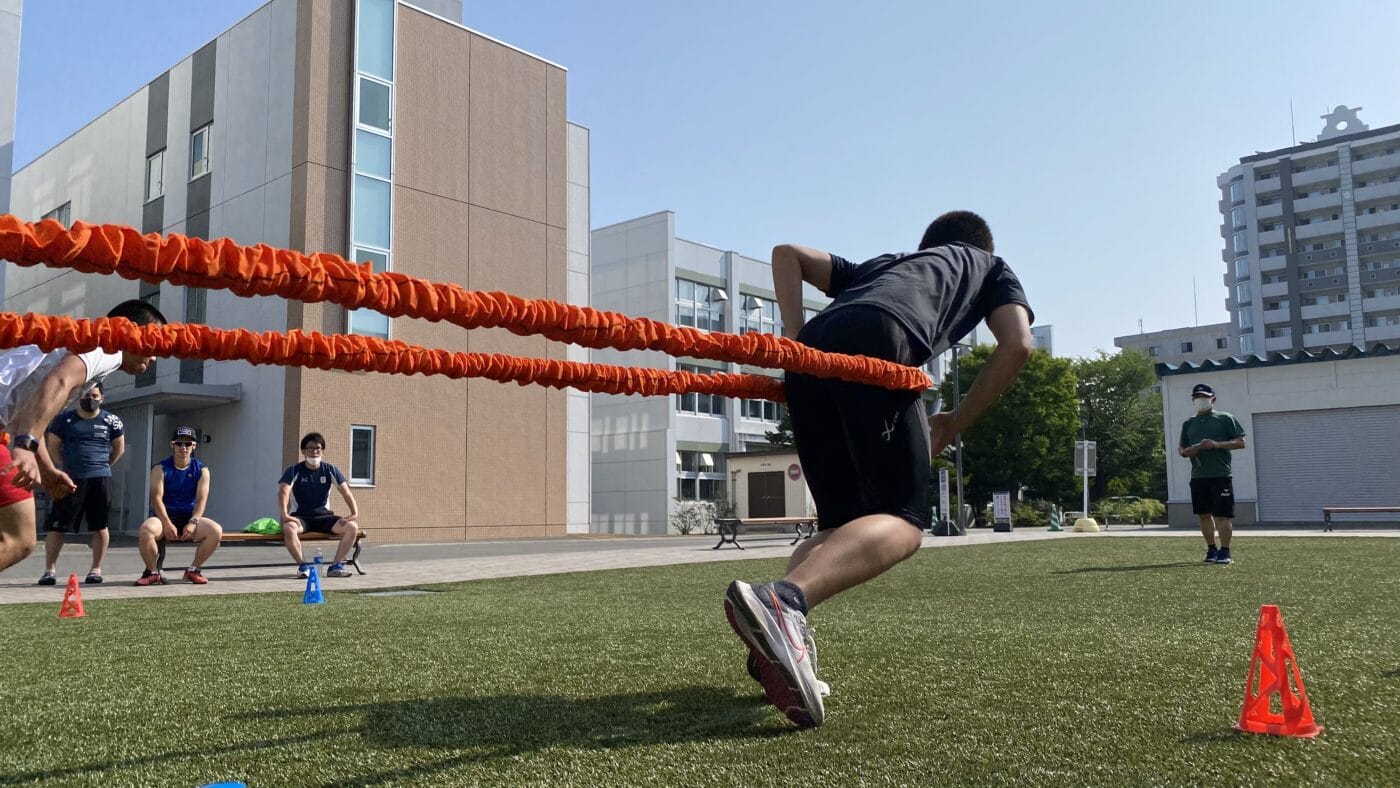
x: 86, y: 441
x: 310, y: 482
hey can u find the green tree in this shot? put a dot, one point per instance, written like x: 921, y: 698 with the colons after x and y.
x: 1124, y: 415
x: 1026, y: 438
x: 782, y: 436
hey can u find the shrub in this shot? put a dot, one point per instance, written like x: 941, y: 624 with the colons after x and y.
x: 692, y: 516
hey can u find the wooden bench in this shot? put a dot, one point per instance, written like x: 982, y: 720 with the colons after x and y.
x: 729, y: 527
x: 1328, y: 511
x: 240, y: 537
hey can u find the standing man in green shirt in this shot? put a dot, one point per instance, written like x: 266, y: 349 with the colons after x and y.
x: 1207, y: 440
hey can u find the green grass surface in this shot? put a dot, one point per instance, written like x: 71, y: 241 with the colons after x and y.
x: 1086, y: 661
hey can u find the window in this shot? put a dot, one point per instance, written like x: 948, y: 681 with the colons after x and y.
x: 361, y: 454
x: 1280, y: 332
x: 1186, y: 347
x: 699, y: 404
x: 759, y: 314
x: 374, y: 103
x: 1246, y: 344
x: 1241, y: 243
x: 763, y: 410
x: 1221, y: 343
x: 700, y: 475
x: 199, y: 151
x: 63, y: 214
x: 1237, y: 217
x: 1241, y: 267
x: 1237, y: 191
x: 1242, y: 293
x: 375, y: 31
x: 699, y: 305
x: 367, y: 321
x: 372, y: 154
x: 371, y: 225
x: 155, y: 175
x: 1246, y: 317
x: 1153, y: 350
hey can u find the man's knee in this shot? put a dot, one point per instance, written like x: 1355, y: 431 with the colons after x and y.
x: 15, y: 547
x: 210, y: 530
x: 346, y: 527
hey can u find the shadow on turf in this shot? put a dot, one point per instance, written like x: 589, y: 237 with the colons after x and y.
x: 197, y: 753
x: 1217, y: 736
x: 505, y: 726
x: 1137, y: 568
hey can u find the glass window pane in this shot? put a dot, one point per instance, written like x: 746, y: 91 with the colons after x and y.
x: 376, y: 30
x: 155, y: 175
x: 368, y: 323
x: 372, y: 154
x: 686, y: 291
x: 378, y: 260
x: 687, y: 489
x: 371, y: 212
x: 374, y: 104
x: 362, y: 454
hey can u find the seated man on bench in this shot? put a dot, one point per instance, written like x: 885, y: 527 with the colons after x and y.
x: 179, y: 493
x: 310, y: 482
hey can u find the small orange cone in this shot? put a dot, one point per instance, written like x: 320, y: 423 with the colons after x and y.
x: 72, y: 600
x: 1272, y: 664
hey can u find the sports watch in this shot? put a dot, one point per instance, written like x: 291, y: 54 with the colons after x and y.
x: 27, y: 442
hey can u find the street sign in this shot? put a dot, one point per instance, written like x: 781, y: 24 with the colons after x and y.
x: 1079, y: 462
x: 944, y: 505
x: 1001, y: 511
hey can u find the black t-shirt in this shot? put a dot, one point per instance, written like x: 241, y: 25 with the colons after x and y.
x: 937, y: 294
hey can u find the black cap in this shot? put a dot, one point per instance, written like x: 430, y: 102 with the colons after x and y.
x: 1202, y: 390
x: 185, y: 434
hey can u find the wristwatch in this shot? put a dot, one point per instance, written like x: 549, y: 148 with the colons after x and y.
x: 27, y: 442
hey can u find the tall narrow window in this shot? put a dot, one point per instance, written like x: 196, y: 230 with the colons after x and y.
x: 361, y: 454
x: 199, y: 151
x: 155, y: 175
x: 63, y: 213
x: 372, y: 152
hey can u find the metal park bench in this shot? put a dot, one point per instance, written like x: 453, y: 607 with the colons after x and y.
x: 1328, y: 511
x: 730, y: 527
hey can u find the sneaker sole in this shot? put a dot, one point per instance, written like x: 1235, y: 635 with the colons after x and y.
x: 780, y: 683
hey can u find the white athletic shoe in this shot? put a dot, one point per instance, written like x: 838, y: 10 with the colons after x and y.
x: 782, y: 641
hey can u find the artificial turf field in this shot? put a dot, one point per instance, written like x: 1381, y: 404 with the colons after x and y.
x: 1100, y: 661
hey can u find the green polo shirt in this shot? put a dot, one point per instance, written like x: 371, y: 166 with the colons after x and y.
x: 1219, y: 427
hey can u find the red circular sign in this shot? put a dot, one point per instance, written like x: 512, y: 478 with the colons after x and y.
x: 794, y: 471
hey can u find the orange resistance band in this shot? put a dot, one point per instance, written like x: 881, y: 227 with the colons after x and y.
x: 357, y: 353
x: 263, y: 270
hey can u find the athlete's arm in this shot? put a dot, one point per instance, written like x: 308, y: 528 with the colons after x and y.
x: 793, y: 265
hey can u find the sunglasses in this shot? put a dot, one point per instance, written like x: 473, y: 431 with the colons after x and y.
x: 184, y: 444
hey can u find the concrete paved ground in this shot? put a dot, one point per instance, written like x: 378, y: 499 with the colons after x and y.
x: 390, y: 566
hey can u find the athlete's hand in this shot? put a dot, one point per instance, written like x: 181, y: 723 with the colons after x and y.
x: 58, y: 484
x: 941, y: 432
x: 1207, y: 444
x: 25, y: 467
x: 170, y: 533
x: 187, y: 534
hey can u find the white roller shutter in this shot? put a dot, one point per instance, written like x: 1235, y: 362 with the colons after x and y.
x: 1309, y: 459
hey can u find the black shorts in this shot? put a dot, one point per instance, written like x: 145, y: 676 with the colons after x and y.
x: 92, y: 498
x: 1215, y: 497
x: 323, y: 520
x: 864, y: 449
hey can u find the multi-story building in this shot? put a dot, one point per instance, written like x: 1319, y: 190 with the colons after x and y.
x: 1312, y: 241
x: 10, y: 17
x: 1180, y: 345
x: 650, y: 451
x: 386, y: 132
x: 1043, y: 338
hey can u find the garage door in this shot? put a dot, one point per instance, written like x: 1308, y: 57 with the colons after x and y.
x: 1314, y: 458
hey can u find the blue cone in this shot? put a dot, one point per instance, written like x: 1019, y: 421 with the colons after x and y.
x: 313, y: 594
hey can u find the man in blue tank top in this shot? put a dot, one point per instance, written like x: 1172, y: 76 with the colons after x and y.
x: 310, y: 482
x: 179, y: 493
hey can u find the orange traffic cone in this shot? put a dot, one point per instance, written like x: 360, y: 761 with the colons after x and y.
x: 1272, y: 664
x: 72, y: 600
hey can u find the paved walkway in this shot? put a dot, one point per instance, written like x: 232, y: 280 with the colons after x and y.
x: 390, y: 566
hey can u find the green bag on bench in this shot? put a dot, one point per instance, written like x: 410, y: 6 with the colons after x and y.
x: 265, y: 526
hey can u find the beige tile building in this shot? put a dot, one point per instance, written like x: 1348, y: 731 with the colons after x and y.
x: 383, y: 131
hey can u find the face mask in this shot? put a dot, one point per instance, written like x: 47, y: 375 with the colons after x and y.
x: 313, y: 462
x: 88, y: 404
x: 1203, y: 404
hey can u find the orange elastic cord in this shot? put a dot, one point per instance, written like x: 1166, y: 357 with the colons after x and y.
x: 360, y: 353
x: 263, y: 270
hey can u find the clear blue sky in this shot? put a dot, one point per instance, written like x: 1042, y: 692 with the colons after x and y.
x: 1089, y: 134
